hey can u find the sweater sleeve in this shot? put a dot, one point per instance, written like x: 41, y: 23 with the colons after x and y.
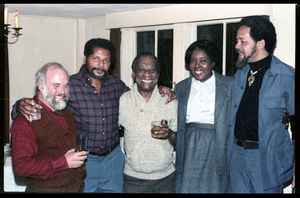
x: 24, y: 152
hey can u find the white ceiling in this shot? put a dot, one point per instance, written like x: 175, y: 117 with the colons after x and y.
x: 77, y: 10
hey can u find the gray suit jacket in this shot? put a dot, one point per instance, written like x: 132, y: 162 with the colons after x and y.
x: 276, y: 94
x: 224, y: 86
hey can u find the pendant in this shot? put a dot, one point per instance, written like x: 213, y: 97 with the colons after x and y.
x: 251, y: 79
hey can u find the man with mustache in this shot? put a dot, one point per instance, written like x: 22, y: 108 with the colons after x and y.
x: 260, y: 151
x: 43, y: 150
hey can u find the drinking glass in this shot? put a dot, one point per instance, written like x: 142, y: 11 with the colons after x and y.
x: 158, y: 126
x: 37, y: 115
x: 81, y: 143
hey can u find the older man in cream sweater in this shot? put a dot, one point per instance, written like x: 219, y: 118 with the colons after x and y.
x: 148, y: 160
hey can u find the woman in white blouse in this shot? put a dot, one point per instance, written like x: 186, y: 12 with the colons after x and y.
x: 204, y: 101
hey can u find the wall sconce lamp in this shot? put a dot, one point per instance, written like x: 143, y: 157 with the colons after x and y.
x: 6, y: 25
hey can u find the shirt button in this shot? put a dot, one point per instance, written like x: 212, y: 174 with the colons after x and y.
x: 102, y: 105
x: 235, y: 106
x: 242, y: 87
x: 103, y: 118
x: 66, y: 134
x: 101, y: 147
x: 95, y: 91
x: 85, y: 84
x: 141, y: 110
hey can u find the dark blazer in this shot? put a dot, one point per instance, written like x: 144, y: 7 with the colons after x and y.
x: 224, y: 86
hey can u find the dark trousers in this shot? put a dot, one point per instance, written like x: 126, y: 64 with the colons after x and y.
x: 135, y: 185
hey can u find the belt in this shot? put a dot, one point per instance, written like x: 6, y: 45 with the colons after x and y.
x: 247, y: 144
x: 104, y: 153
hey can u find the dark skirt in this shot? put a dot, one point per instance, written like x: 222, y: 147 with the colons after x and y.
x: 200, y: 174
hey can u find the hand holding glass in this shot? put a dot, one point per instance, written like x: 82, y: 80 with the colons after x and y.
x: 37, y: 113
x: 159, y: 130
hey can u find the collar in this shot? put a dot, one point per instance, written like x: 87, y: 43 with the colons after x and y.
x: 210, y: 83
x: 263, y: 63
x: 277, y: 67
x: 154, y: 92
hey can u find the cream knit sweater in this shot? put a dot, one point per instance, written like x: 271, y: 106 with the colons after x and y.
x: 146, y: 157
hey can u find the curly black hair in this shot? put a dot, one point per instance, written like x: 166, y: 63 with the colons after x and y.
x: 102, y: 43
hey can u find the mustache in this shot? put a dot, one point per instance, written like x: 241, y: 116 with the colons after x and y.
x: 99, y: 69
x: 61, y: 95
x: 239, y: 51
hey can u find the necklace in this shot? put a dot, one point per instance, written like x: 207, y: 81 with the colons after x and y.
x: 251, y: 78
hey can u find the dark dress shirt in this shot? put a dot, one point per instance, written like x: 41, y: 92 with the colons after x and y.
x: 96, y: 114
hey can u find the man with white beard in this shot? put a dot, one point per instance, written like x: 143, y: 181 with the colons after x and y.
x: 43, y: 150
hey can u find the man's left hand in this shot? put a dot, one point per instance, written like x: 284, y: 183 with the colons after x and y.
x: 285, y: 119
x: 162, y: 134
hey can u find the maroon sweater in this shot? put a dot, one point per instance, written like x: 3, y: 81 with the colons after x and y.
x: 54, y: 141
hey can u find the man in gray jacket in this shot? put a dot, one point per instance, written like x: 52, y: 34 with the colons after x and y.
x: 260, y: 151
x: 148, y: 160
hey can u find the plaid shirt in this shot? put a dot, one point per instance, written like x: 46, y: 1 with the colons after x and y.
x: 96, y: 114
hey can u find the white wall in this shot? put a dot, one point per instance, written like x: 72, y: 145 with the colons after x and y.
x: 95, y: 28
x: 43, y: 40
x: 284, y: 20
x: 183, y: 13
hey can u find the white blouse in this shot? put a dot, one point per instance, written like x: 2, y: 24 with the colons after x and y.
x: 201, y: 103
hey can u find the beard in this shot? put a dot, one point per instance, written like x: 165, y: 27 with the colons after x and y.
x: 93, y: 75
x: 241, y: 63
x: 51, y: 99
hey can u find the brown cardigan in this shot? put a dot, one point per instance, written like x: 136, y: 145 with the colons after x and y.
x: 53, y: 141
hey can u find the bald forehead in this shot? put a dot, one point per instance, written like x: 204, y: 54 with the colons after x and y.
x: 54, y: 72
x: 54, y: 69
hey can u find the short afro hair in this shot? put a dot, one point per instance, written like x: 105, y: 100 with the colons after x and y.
x: 210, y: 49
x: 145, y: 55
x: 102, y: 43
x: 261, y: 28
